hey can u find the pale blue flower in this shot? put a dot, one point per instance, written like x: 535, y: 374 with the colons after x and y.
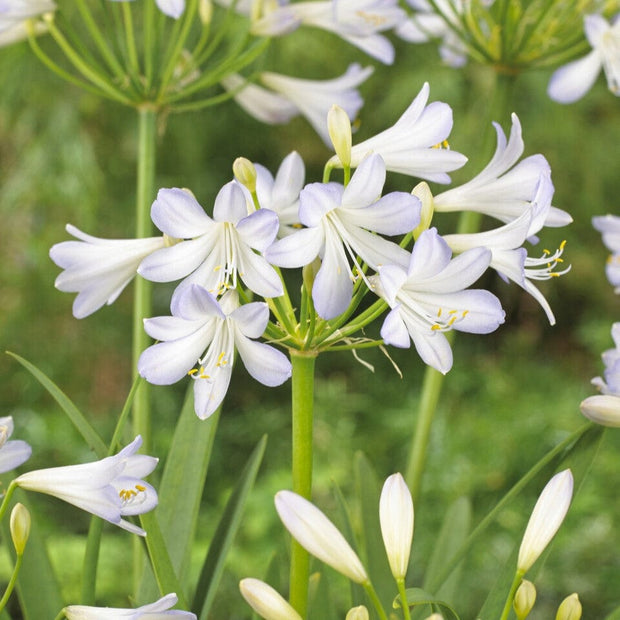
x: 206, y: 333
x: 572, y: 81
x: 110, y: 488
x: 171, y: 8
x: 159, y: 610
x: 216, y: 251
x: 609, y: 227
x: 338, y: 221
x: 12, y: 453
x: 429, y: 298
x: 609, y: 383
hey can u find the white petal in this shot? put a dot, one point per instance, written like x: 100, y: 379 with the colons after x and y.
x: 296, y: 250
x: 13, y: 454
x: 266, y: 364
x: 172, y: 8
x: 209, y: 393
x: 572, y: 81
x: 265, y: 601
x: 257, y: 274
x: 258, y: 230
x: 251, y: 319
x: 177, y: 213
x: 177, y: 261
x: 394, y: 331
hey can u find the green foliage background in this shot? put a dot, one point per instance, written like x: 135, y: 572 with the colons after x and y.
x: 66, y: 156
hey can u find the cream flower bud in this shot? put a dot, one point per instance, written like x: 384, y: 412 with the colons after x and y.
x: 318, y: 535
x: 357, y: 613
x: 603, y: 409
x: 396, y: 517
x: 339, y: 129
x: 524, y: 599
x: 547, y: 516
x: 423, y: 192
x: 20, y: 527
x: 569, y: 609
x: 265, y: 601
x: 434, y: 616
x: 245, y: 173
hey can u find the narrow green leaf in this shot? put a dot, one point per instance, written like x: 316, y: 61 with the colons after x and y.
x: 614, y: 615
x: 417, y: 597
x: 180, y: 493
x: 369, y: 490
x: 454, y: 531
x: 80, y: 422
x: 320, y: 603
x: 225, y: 533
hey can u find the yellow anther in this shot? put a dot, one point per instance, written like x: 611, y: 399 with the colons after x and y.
x: 221, y: 359
x: 451, y: 321
x: 435, y: 327
x: 453, y: 312
x: 545, y: 251
x: 217, y: 267
x: 562, y: 244
x: 375, y: 20
x: 192, y: 372
x: 140, y: 488
x: 439, y: 312
x: 465, y: 313
x: 297, y: 226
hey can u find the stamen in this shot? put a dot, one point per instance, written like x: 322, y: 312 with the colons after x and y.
x: 130, y: 496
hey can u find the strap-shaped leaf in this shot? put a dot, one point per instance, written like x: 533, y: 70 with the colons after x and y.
x: 417, y: 597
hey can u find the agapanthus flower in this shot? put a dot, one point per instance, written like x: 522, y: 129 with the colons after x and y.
x: 341, y: 222
x: 572, y: 81
x: 14, y: 15
x: 547, y: 516
x: 99, y: 269
x: 281, y: 194
x: 14, y: 452
x: 610, y: 382
x: 314, y: 98
x: 429, y: 298
x: 205, y: 333
x: 159, y: 610
x: 609, y: 227
x: 411, y: 145
x: 111, y: 488
x: 171, y: 8
x: 508, y: 257
x: 504, y: 189
x: 216, y: 251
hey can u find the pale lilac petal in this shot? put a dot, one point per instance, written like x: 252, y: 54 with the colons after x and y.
x: 429, y: 256
x: 394, y: 331
x: 316, y: 200
x: 298, y: 249
x: 170, y: 327
x: 572, y: 81
x: 376, y: 46
x: 366, y: 183
x: 257, y: 274
x: 194, y: 303
x: 266, y: 364
x: 258, y: 230
x: 375, y: 250
x: 432, y: 347
x: 595, y: 26
x: 13, y: 454
x: 251, y: 319
x: 171, y: 8
x: 392, y: 279
x: 209, y: 393
x: 177, y: 261
x: 177, y: 213
x: 230, y: 204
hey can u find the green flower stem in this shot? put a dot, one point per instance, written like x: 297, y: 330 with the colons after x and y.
x: 403, y: 598
x: 91, y: 558
x: 130, y: 40
x: 11, y: 585
x: 302, y: 405
x: 511, y: 595
x: 7, y: 498
x: 375, y: 600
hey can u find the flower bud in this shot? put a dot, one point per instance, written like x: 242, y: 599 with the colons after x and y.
x: 434, y: 616
x: 357, y: 613
x: 339, y: 129
x: 205, y: 12
x: 547, y: 516
x: 423, y: 192
x: 603, y: 409
x: 318, y: 535
x: 524, y: 599
x: 396, y: 518
x: 569, y: 609
x: 265, y: 601
x: 245, y: 173
x: 20, y: 527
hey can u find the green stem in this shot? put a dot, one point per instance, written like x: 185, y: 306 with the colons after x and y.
x: 7, y: 498
x: 91, y: 559
x: 302, y: 413
x: 511, y: 595
x: 375, y: 600
x: 403, y: 598
x: 11, y: 585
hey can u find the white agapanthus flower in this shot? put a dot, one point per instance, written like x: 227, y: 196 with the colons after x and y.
x: 14, y: 452
x: 411, y: 145
x: 159, y: 610
x: 572, y: 81
x: 111, y: 488
x: 609, y: 227
x: 99, y: 269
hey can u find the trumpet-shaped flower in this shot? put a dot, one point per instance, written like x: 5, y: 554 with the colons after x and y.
x: 572, y: 81
x: 159, y: 610
x: 609, y: 227
x: 99, y: 269
x: 396, y: 518
x: 429, y: 298
x: 198, y: 324
x: 410, y: 146
x: 265, y: 601
x: 546, y: 518
x: 281, y: 194
x: 110, y: 488
x: 610, y: 382
x: 171, y: 8
x: 338, y: 221
x: 314, y: 98
x: 217, y: 250
x: 504, y: 188
x: 12, y: 453
x: 318, y: 535
x: 508, y: 257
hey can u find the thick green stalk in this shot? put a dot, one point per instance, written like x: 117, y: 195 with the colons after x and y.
x: 302, y: 405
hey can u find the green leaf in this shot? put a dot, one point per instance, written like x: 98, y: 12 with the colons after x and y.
x: 225, y: 533
x: 454, y: 531
x: 320, y: 603
x: 180, y: 493
x: 417, y: 596
x: 369, y: 490
x: 80, y: 422
x: 614, y: 615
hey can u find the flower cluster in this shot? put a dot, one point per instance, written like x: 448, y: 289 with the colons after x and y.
x: 351, y: 239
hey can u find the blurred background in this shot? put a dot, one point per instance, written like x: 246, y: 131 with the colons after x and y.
x: 67, y: 156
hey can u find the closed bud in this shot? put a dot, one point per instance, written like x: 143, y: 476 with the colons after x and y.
x: 339, y: 129
x: 20, y: 527
x: 245, y: 173
x: 357, y: 613
x: 434, y: 617
x: 265, y: 601
x: 524, y: 600
x: 569, y: 609
x: 603, y: 409
x: 423, y: 192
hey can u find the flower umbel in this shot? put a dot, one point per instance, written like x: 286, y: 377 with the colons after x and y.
x: 110, y: 488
